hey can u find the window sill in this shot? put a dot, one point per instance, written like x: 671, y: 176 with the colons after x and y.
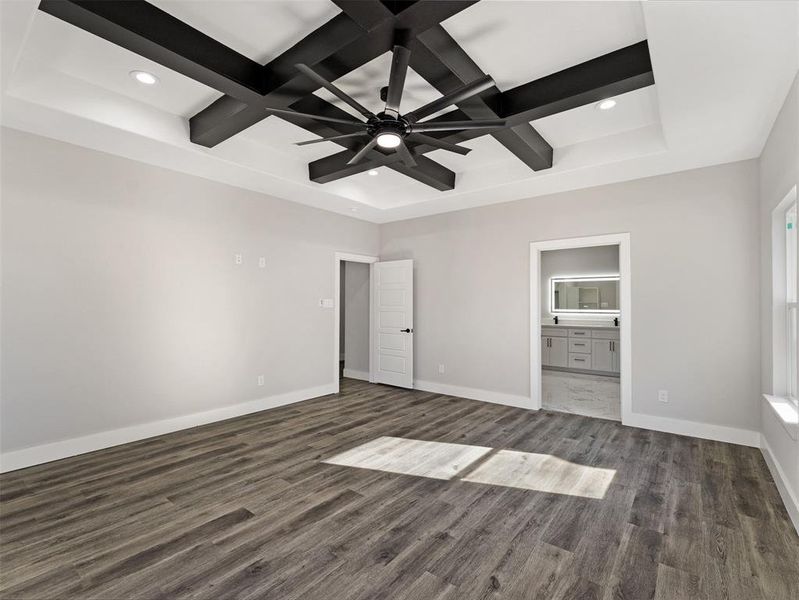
x: 786, y: 412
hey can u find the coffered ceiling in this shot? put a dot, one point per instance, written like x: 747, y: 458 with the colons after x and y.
x: 721, y: 72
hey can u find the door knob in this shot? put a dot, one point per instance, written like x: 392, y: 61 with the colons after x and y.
x: 406, y: 330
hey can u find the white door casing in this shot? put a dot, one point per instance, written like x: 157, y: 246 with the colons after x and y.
x: 393, y: 281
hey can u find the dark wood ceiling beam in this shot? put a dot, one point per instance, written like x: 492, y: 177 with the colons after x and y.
x: 364, y: 31
x: 611, y: 74
x: 155, y: 34
x: 228, y: 116
x: 445, y: 65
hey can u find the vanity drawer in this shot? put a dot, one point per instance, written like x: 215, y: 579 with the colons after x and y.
x: 605, y: 334
x: 577, y: 345
x: 579, y: 333
x: 553, y: 332
x: 579, y: 361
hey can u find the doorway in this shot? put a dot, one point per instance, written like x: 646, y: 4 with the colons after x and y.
x: 377, y: 297
x: 580, y: 317
x: 354, y: 318
x: 353, y: 302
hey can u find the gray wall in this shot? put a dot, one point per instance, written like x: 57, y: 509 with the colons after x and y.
x: 573, y: 262
x: 356, y: 308
x: 121, y: 301
x: 694, y: 231
x: 779, y: 172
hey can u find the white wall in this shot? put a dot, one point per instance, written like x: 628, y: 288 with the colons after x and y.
x: 779, y: 172
x: 694, y: 231
x: 122, y: 304
x: 356, y: 329
x: 575, y: 262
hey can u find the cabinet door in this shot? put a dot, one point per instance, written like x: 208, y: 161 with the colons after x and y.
x: 616, y: 363
x: 602, y: 355
x: 544, y: 351
x: 559, y: 352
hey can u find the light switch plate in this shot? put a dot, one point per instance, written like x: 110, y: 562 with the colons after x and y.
x: 326, y: 302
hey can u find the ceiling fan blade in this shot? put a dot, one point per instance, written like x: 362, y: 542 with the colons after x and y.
x: 294, y: 113
x: 437, y: 143
x: 330, y: 139
x: 396, y: 80
x: 405, y: 155
x: 363, y: 152
x: 459, y: 95
x: 308, y: 71
x: 457, y: 125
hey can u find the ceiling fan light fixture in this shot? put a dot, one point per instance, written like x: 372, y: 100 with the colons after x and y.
x: 388, y: 140
x: 144, y: 77
x: 606, y: 104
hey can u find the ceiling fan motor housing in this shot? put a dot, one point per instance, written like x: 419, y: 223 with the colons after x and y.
x: 387, y: 124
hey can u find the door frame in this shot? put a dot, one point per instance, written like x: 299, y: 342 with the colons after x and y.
x: 622, y: 240
x: 338, y: 258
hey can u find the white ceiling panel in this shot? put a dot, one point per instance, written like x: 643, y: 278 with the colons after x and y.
x: 632, y: 111
x: 258, y: 29
x: 518, y: 41
x: 86, y: 57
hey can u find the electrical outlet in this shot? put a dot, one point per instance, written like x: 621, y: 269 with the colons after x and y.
x: 663, y: 395
x: 237, y: 259
x: 441, y: 368
x: 260, y: 379
x: 262, y: 262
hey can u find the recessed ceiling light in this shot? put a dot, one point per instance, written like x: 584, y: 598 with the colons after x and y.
x: 388, y: 140
x: 606, y: 104
x: 144, y: 77
x: 372, y: 172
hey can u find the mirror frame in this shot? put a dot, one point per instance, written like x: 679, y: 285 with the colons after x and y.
x: 578, y: 311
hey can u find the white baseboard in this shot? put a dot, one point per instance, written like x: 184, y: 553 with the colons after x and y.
x: 707, y: 431
x: 473, y: 393
x: 353, y: 374
x: 26, y: 457
x: 788, y: 497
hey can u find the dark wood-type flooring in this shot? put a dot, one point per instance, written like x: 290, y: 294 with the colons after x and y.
x: 245, y: 509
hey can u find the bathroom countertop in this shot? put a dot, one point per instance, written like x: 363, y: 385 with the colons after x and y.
x: 586, y: 325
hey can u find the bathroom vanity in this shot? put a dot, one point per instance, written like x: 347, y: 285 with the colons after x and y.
x: 570, y: 347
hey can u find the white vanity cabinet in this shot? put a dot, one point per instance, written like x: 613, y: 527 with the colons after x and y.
x: 582, y: 349
x: 605, y: 350
x: 554, y: 347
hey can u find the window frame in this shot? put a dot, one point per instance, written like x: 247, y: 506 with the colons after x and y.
x: 789, y: 224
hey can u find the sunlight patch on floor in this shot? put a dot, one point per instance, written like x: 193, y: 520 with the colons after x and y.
x: 506, y: 468
x: 411, y: 457
x: 543, y: 473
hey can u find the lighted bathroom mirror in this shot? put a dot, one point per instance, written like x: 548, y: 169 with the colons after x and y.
x: 585, y: 294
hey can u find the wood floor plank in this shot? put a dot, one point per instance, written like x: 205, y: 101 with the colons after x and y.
x: 249, y: 509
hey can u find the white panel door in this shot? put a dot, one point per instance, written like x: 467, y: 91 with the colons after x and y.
x: 394, y: 322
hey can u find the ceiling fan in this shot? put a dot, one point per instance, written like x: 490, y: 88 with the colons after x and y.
x: 389, y: 129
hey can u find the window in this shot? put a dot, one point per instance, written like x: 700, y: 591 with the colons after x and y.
x: 791, y: 300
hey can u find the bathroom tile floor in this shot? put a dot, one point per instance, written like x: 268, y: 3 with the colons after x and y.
x: 580, y: 394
